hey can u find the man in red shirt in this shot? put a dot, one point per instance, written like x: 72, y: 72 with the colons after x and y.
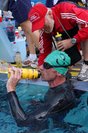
x: 67, y: 19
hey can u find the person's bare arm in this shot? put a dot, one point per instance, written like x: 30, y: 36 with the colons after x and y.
x: 32, y: 38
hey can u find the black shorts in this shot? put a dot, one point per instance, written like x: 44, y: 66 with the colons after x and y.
x: 20, y: 9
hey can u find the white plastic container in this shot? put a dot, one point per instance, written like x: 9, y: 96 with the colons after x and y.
x: 19, y: 46
x: 8, y: 49
x: 6, y: 52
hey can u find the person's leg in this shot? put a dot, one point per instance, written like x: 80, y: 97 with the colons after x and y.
x: 83, y: 75
x: 32, y: 40
x: 17, y: 8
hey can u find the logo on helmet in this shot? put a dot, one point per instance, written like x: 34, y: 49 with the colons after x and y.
x: 63, y: 59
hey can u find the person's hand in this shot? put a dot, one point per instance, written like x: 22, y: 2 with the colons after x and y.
x: 64, y: 44
x: 15, y: 76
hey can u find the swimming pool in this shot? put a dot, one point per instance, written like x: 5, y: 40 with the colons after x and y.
x: 26, y: 93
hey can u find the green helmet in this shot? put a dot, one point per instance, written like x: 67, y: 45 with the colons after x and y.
x: 58, y: 58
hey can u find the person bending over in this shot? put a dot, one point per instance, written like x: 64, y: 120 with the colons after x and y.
x: 70, y: 21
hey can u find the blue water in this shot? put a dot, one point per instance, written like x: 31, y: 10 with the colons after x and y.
x: 26, y: 93
x: 42, y: 1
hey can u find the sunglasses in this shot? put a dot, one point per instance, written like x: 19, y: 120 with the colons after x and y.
x: 48, y: 66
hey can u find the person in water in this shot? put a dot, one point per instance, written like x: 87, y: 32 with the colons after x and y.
x: 59, y: 96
